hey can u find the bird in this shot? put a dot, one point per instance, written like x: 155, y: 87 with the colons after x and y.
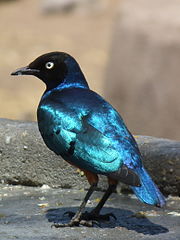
x: 84, y: 129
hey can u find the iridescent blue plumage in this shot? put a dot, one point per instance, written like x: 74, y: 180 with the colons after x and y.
x: 100, y: 146
x: 86, y: 130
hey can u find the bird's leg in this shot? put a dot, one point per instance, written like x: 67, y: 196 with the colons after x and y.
x: 76, y: 220
x: 89, y: 218
x: 95, y: 213
x: 77, y: 217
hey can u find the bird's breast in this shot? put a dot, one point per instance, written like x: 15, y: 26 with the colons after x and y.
x: 51, y: 126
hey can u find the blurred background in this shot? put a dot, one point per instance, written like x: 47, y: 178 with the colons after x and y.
x: 129, y: 51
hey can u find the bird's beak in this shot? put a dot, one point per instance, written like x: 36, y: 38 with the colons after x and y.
x: 25, y: 71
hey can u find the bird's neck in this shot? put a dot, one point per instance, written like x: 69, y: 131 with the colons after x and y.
x: 73, y: 78
x: 67, y: 83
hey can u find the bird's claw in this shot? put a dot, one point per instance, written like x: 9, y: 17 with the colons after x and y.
x: 89, y: 223
x: 87, y: 219
x: 74, y: 223
x: 61, y: 225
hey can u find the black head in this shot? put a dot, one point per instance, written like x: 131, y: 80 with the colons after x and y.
x: 52, y: 68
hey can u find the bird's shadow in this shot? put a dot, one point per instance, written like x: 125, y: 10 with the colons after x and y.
x: 125, y: 219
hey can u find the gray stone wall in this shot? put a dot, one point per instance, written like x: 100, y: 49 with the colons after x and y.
x: 25, y: 160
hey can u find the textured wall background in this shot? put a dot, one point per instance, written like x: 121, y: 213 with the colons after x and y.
x: 143, y: 74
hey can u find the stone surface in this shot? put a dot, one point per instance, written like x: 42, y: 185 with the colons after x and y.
x: 28, y: 213
x: 25, y: 160
x: 142, y: 77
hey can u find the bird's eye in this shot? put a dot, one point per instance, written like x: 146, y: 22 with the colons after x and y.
x: 49, y: 65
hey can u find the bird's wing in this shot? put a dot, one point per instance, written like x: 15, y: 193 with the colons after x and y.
x: 111, y: 148
x: 115, y: 146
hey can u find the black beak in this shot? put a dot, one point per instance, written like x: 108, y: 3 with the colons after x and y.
x: 25, y: 71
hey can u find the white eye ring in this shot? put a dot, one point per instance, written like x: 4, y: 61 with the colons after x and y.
x: 49, y: 65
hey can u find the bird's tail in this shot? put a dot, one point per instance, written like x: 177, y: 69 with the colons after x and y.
x: 148, y: 192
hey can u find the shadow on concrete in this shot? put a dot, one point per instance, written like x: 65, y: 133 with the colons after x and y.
x: 125, y: 219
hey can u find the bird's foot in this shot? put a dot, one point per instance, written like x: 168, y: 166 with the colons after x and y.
x: 76, y: 223
x: 92, y: 216
x: 87, y: 219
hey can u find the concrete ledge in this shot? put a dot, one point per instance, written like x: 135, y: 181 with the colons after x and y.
x: 25, y: 160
